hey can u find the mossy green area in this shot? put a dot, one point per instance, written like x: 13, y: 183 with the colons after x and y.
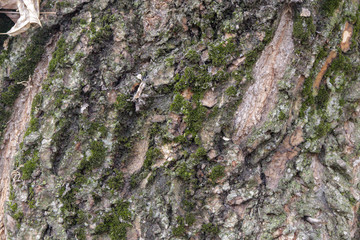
x: 151, y: 156
x: 103, y: 32
x: 217, y: 172
x: 210, y: 229
x: 115, y: 222
x: 58, y: 57
x: 219, y: 52
x: 328, y: 7
x: 194, y: 113
x: 97, y: 157
x: 179, y: 230
x: 30, y: 166
x: 303, y: 29
x: 116, y: 182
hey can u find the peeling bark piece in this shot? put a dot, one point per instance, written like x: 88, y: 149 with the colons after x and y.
x: 346, y: 37
x: 261, y: 96
x: 29, y: 14
x: 209, y: 100
x: 322, y: 72
x: 287, y: 151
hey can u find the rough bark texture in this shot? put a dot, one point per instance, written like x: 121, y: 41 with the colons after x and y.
x: 165, y: 119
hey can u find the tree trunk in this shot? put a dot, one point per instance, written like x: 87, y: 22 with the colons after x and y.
x: 162, y: 119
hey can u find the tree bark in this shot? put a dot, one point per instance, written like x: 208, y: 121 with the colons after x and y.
x: 182, y: 120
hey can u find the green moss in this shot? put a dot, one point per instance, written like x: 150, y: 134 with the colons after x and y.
x: 80, y: 234
x: 190, y: 219
x: 200, y: 154
x: 231, y: 91
x: 61, y: 5
x: 184, y: 172
x: 97, y: 157
x: 36, y: 103
x: 322, y: 97
x: 303, y: 28
x: 170, y: 61
x: 18, y: 216
x: 196, y: 77
x: 13, y: 206
x: 3, y: 56
x: 328, y: 7
x: 220, y: 53
x: 210, y: 229
x: 104, y: 32
x: 123, y: 103
x: 30, y: 166
x: 34, y: 125
x: 97, y: 127
x: 116, y: 182
x: 178, y: 104
x: 179, y: 230
x: 31, y: 197
x: 322, y: 129
x: 194, y: 114
x: 79, y: 56
x: 116, y: 222
x: 151, y: 156
x: 192, y: 56
x: 217, y: 172
x: 98, y: 154
x: 282, y: 116
x: 58, y: 57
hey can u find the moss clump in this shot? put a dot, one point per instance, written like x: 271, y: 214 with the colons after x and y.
x: 322, y: 98
x: 98, y: 154
x: 196, y: 77
x: 231, y: 91
x: 192, y: 56
x: 210, y: 229
x: 116, y: 222
x: 58, y: 57
x: 217, y: 172
x: 116, y: 182
x: 328, y: 7
x: 34, y: 125
x: 97, y: 157
x: 219, y: 53
x: 178, y: 104
x: 179, y: 230
x: 30, y: 166
x: 303, y: 28
x: 282, y: 116
x: 31, y: 197
x: 151, y: 156
x: 3, y: 56
x: 200, y: 154
x: 322, y: 129
x: 184, y: 172
x: 194, y: 114
x: 104, y: 32
x: 123, y: 103
x: 190, y: 219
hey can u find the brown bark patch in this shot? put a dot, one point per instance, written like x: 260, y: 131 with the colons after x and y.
x: 287, y: 151
x: 260, y: 98
x: 138, y: 154
x: 322, y: 72
x: 346, y: 37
